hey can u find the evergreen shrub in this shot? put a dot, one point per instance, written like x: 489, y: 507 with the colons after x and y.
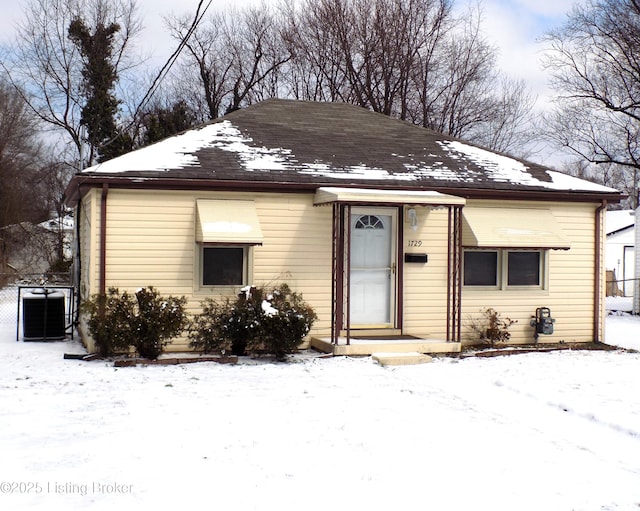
x: 145, y: 321
x: 258, y: 321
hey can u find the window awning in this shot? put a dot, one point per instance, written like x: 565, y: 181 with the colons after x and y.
x: 511, y: 228
x: 329, y: 195
x: 227, y: 221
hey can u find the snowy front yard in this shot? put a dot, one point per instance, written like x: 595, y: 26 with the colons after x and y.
x: 550, y: 431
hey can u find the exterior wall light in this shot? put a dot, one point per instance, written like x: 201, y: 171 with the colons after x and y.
x: 412, y: 216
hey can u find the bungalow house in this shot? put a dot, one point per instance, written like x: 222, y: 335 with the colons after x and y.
x: 389, y: 230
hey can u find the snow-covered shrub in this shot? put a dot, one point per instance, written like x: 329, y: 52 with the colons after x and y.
x: 257, y: 321
x: 145, y: 321
x: 286, y: 321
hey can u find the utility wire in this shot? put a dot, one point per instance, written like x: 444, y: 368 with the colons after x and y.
x: 170, y: 61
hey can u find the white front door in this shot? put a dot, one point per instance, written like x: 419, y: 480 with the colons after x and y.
x: 372, y: 268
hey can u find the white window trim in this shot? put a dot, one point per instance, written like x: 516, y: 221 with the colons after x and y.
x: 499, y: 276
x: 502, y: 271
x: 247, y: 272
x: 543, y: 275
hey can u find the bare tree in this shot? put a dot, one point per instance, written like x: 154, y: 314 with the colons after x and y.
x: 412, y: 59
x: 594, y: 60
x: 507, y: 125
x: 364, y: 52
x: 456, y: 84
x: 233, y: 55
x: 317, y: 71
x: 206, y: 59
x: 258, y: 53
x: 47, y: 66
x: 28, y: 190
x: 20, y: 153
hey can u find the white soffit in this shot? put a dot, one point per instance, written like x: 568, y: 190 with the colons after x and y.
x: 512, y: 228
x: 328, y: 195
x: 228, y: 221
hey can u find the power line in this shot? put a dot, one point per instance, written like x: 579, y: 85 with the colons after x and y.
x: 170, y: 62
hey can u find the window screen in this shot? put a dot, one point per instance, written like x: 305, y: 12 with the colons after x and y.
x: 480, y: 268
x: 222, y: 266
x: 523, y: 269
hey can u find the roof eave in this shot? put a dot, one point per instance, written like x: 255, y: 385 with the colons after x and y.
x: 81, y: 183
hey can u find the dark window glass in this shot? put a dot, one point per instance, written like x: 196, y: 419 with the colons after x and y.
x: 222, y: 266
x: 481, y: 268
x: 523, y: 269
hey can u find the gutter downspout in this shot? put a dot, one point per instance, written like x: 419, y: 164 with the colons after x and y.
x: 597, y: 271
x: 77, y: 274
x: 103, y: 240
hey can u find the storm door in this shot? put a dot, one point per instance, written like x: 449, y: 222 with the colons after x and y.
x: 373, y: 268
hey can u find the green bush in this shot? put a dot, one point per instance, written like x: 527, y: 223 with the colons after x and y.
x: 158, y: 320
x: 256, y: 322
x: 110, y: 321
x: 286, y: 321
x: 208, y: 330
x: 145, y: 321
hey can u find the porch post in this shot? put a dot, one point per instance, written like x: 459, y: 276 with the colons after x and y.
x: 335, y: 332
x: 458, y: 276
x: 399, y: 276
x: 449, y: 269
x: 347, y: 256
x: 454, y: 275
x: 338, y: 271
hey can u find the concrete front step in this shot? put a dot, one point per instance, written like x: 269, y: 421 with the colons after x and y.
x: 359, y: 347
x: 401, y: 359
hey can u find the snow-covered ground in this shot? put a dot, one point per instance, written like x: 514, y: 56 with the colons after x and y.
x: 549, y: 431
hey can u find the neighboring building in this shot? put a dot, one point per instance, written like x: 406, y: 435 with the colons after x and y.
x: 620, y: 252
x: 386, y: 228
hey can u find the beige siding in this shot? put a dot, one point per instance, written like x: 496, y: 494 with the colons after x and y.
x: 87, y: 214
x: 89, y: 243
x: 151, y: 241
x: 570, y: 292
x: 425, y: 285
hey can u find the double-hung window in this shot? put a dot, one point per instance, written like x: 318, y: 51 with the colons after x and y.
x: 504, y: 268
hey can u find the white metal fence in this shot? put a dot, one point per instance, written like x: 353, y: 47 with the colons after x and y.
x: 620, y: 295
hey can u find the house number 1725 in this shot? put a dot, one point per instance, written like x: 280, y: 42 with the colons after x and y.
x: 415, y: 243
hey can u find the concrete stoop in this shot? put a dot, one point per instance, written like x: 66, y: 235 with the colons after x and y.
x: 401, y: 359
x: 374, y: 344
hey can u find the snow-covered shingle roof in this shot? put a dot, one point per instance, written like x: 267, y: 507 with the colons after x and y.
x: 333, y: 144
